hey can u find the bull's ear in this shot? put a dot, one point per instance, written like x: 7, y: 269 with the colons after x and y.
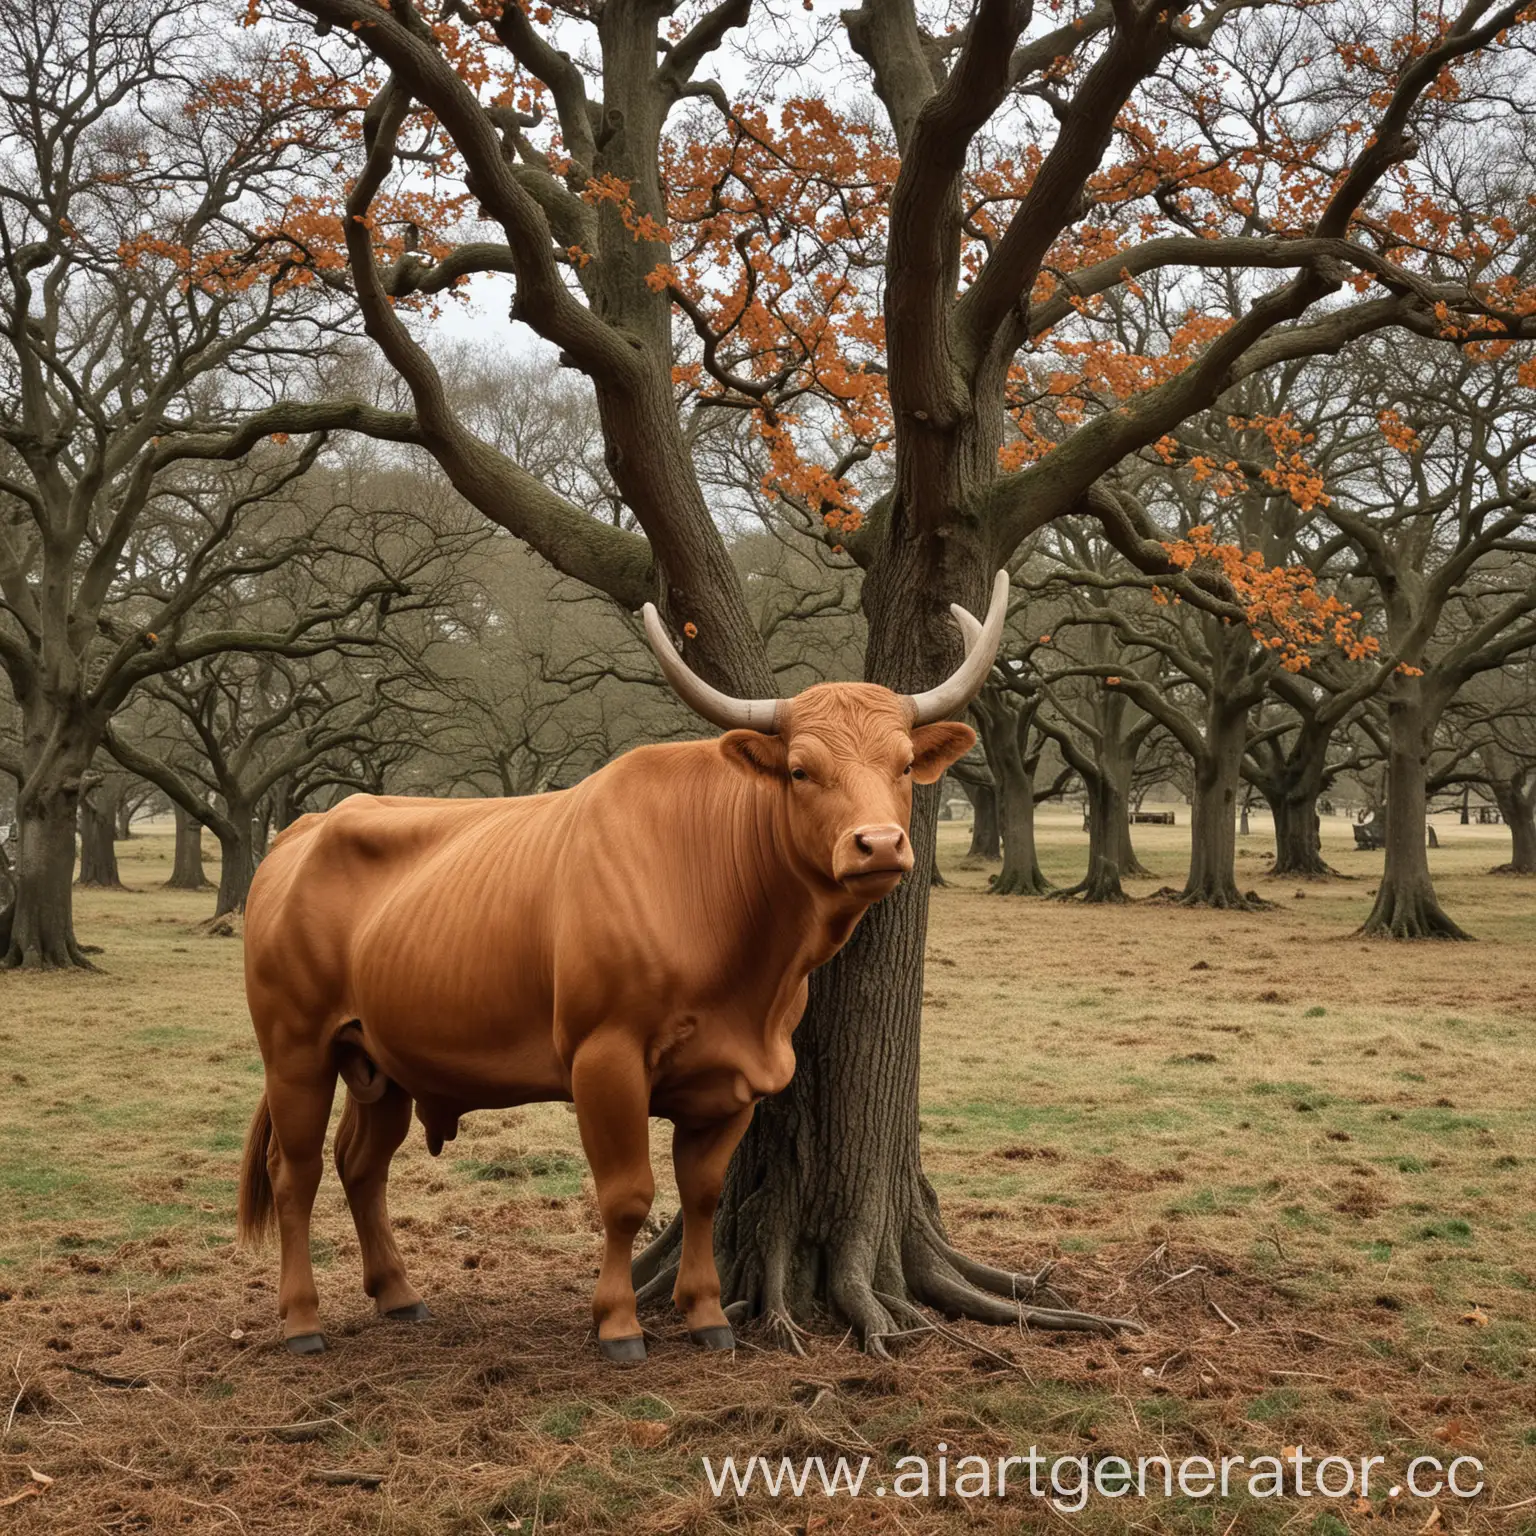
x: 753, y: 752
x: 935, y: 747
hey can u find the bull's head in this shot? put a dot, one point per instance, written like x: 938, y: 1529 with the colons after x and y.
x: 847, y: 754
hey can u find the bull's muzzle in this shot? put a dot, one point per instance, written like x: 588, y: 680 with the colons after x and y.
x: 872, y: 857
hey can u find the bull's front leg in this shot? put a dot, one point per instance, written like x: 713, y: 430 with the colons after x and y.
x: 612, y: 1092
x: 700, y: 1156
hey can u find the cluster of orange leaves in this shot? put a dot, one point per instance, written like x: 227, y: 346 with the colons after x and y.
x: 1285, y: 611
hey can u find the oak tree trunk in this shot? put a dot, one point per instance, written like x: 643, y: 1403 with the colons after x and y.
x: 1293, y: 787
x: 1406, y: 904
x: 1517, y: 805
x: 1020, y: 874
x: 1005, y: 733
x: 1125, y: 850
x: 187, y: 873
x: 98, y: 828
x: 42, y: 921
x: 1298, y: 837
x: 1213, y: 815
x: 238, y: 860
x: 986, y: 833
x: 1108, y: 838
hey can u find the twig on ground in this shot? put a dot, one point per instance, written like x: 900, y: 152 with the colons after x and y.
x: 1222, y: 1315
x: 340, y: 1477
x: 1183, y: 1274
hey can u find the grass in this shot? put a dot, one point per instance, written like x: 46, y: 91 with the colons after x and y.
x: 1199, y: 1116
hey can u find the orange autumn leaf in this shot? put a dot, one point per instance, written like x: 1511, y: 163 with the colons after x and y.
x: 1284, y: 609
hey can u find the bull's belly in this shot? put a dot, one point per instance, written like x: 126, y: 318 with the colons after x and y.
x: 494, y: 1069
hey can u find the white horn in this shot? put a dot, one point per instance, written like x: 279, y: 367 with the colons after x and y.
x: 716, y: 707
x: 981, y: 643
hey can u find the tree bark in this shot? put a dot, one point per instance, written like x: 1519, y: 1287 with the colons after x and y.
x: 1298, y: 837
x: 98, y: 828
x: 1213, y: 814
x: 1517, y: 805
x: 1406, y: 904
x: 1120, y: 828
x: 1020, y: 874
x: 187, y: 873
x: 986, y: 833
x: 1108, y: 840
x: 1292, y: 781
x: 237, y: 861
x: 1005, y: 730
x: 42, y: 921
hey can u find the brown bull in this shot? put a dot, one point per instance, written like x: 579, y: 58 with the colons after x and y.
x: 638, y: 945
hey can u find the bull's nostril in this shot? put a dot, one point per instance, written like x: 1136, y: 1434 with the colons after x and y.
x: 862, y: 843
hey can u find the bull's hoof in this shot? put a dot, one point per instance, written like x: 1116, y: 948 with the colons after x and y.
x: 417, y: 1312
x: 306, y: 1344
x: 718, y: 1337
x: 630, y: 1351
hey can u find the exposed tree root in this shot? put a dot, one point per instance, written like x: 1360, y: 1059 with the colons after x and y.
x: 1018, y: 882
x: 1414, y: 913
x: 1217, y: 898
x: 1319, y: 871
x: 1094, y: 893
x: 1511, y: 869
x: 933, y: 1274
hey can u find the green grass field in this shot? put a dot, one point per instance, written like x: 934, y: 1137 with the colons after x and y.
x: 1303, y: 1159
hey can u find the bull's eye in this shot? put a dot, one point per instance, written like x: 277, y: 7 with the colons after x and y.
x: 907, y: 769
x: 799, y: 773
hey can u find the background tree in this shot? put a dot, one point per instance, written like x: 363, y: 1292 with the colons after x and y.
x: 151, y: 316
x: 1442, y: 522
x: 1006, y: 715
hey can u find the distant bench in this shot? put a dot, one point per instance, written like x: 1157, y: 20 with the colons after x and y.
x: 1154, y: 818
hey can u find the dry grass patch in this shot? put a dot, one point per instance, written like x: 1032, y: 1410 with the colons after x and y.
x: 1302, y: 1159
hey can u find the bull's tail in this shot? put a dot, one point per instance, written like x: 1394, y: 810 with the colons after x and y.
x: 257, y: 1212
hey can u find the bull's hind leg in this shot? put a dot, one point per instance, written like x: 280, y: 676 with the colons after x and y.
x: 611, y: 1088
x: 700, y: 1155
x: 366, y: 1140
x: 300, y: 1110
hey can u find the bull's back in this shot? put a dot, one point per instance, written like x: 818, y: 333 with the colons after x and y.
x: 420, y: 918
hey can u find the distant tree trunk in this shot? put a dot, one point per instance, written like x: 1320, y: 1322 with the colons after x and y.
x: 1005, y: 729
x: 1298, y: 837
x: 1213, y: 813
x: 1020, y: 874
x: 98, y: 827
x: 238, y: 860
x: 187, y: 872
x: 1292, y: 783
x: 986, y: 834
x: 1108, y: 836
x: 1516, y: 801
x: 1118, y: 765
x: 1406, y: 904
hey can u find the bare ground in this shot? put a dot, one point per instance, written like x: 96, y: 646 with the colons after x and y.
x: 1302, y: 1159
